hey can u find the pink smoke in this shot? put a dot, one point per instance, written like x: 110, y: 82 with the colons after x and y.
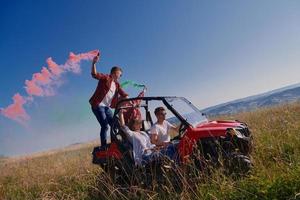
x: 54, y: 68
x: 33, y: 89
x: 42, y: 83
x: 43, y: 77
x: 15, y: 111
x: 82, y: 56
x: 72, y: 63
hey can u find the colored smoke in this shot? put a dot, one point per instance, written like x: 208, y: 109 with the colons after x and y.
x: 42, y: 84
x: 15, y: 111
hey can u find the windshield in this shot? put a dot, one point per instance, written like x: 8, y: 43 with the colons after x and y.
x: 187, y: 110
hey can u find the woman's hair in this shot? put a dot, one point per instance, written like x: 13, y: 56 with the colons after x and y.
x: 134, y: 121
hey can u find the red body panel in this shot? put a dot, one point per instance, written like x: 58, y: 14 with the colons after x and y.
x: 205, y: 130
x: 112, y: 152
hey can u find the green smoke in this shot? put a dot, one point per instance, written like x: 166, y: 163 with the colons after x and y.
x: 125, y: 84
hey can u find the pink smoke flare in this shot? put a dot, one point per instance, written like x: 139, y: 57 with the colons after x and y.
x: 42, y: 84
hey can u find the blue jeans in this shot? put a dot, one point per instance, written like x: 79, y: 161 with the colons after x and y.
x: 104, y: 116
x: 169, y: 151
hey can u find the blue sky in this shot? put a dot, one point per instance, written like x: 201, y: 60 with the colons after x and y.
x: 208, y: 51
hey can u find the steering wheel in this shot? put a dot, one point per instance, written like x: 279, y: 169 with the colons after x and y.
x: 181, y: 129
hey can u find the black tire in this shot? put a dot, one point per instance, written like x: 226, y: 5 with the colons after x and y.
x: 238, y: 164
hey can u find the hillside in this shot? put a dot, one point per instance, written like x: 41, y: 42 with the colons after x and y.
x: 287, y: 94
x: 69, y: 174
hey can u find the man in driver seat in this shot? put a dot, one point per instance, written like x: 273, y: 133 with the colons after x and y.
x: 160, y: 131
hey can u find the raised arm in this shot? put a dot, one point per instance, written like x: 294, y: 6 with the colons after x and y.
x: 94, y: 70
x: 95, y: 60
x: 121, y: 116
x: 125, y: 128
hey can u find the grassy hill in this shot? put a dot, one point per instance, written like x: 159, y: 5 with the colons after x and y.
x: 69, y: 174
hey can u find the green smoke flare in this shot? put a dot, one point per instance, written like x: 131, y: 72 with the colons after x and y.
x: 125, y: 84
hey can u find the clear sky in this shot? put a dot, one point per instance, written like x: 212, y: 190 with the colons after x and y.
x: 208, y: 51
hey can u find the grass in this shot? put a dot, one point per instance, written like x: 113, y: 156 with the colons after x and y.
x: 69, y: 174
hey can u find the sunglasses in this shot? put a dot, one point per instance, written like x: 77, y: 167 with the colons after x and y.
x: 120, y: 74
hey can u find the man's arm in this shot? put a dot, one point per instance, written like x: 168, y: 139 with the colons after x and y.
x: 172, y: 127
x: 94, y: 70
x: 154, y: 137
x: 154, y: 140
x: 175, y: 128
x: 122, y: 92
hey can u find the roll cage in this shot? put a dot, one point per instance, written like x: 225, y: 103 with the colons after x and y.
x: 118, y: 136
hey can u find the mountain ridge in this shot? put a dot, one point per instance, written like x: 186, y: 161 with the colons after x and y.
x: 285, y: 94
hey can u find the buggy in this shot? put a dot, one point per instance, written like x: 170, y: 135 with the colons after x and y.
x: 199, y: 141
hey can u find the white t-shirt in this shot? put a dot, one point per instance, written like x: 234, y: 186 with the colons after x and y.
x: 109, y: 96
x: 162, y: 131
x: 140, y: 142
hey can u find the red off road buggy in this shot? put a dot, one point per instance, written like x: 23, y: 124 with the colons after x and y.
x: 225, y: 143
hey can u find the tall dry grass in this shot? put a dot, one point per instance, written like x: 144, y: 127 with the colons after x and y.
x: 64, y: 174
x: 69, y: 174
